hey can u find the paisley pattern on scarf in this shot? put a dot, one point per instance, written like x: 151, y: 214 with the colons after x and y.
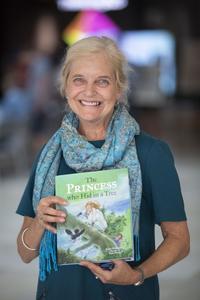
x: 118, y: 151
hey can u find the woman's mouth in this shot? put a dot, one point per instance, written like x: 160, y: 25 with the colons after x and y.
x: 90, y: 103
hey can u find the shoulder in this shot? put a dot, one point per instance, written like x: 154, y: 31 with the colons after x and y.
x: 150, y: 146
x: 144, y: 142
x: 155, y: 157
x: 161, y: 185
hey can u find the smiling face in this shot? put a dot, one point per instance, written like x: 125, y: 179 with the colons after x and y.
x: 91, y: 90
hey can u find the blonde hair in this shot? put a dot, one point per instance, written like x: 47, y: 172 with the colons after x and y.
x: 93, y: 204
x: 93, y: 45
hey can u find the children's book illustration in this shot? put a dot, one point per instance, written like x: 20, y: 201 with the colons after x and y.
x: 98, y: 226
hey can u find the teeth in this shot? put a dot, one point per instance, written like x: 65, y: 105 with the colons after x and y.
x: 90, y: 103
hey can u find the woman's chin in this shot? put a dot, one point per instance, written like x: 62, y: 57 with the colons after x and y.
x: 88, y: 119
x: 90, y: 114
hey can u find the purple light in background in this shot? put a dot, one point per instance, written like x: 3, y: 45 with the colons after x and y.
x: 88, y: 23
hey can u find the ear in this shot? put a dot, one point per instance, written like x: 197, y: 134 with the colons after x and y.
x: 65, y: 93
x: 118, y: 99
x: 119, y: 94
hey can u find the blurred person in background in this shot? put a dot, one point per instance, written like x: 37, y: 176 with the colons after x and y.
x: 15, y: 116
x: 42, y: 73
x: 16, y: 104
x: 99, y: 133
x: 30, y: 101
x: 29, y: 83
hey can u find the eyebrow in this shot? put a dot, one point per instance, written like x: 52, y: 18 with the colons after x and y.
x: 105, y: 77
x: 77, y: 75
x: 99, y: 77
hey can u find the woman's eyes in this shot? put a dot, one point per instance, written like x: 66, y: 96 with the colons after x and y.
x: 102, y: 82
x: 78, y: 81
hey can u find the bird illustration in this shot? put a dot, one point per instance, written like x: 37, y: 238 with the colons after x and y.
x: 75, y: 234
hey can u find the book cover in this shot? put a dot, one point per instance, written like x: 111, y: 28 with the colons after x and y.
x: 98, y: 226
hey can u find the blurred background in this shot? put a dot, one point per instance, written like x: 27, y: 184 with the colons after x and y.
x: 161, y: 41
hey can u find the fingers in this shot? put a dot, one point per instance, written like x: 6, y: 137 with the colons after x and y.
x: 47, y: 226
x: 103, y: 275
x: 121, y: 274
x: 49, y: 201
x: 47, y: 214
x: 118, y: 263
x: 54, y: 212
x: 50, y: 219
x: 93, y: 268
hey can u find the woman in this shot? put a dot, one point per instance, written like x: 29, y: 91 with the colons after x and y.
x: 99, y: 133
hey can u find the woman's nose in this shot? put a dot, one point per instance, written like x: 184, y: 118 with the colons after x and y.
x: 90, y: 90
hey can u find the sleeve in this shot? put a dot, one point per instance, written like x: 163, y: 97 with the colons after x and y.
x: 164, y: 185
x: 25, y: 207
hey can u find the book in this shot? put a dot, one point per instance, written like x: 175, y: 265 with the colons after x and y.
x: 98, y: 226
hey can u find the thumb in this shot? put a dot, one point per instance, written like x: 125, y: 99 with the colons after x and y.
x: 118, y: 262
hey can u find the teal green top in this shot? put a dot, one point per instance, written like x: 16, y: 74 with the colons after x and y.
x: 161, y: 201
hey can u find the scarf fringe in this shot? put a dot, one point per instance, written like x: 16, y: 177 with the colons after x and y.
x: 136, y: 242
x: 136, y: 247
x: 48, y: 255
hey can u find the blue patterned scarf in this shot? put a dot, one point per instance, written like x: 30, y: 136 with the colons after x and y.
x: 118, y: 151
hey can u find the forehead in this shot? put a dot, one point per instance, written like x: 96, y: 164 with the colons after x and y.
x: 94, y: 64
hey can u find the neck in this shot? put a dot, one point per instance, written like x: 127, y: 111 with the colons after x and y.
x: 93, y: 133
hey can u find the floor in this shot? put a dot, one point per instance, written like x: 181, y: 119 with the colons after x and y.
x: 181, y: 129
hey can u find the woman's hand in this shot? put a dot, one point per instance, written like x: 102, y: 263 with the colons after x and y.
x: 48, y: 214
x: 45, y: 217
x: 121, y: 274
